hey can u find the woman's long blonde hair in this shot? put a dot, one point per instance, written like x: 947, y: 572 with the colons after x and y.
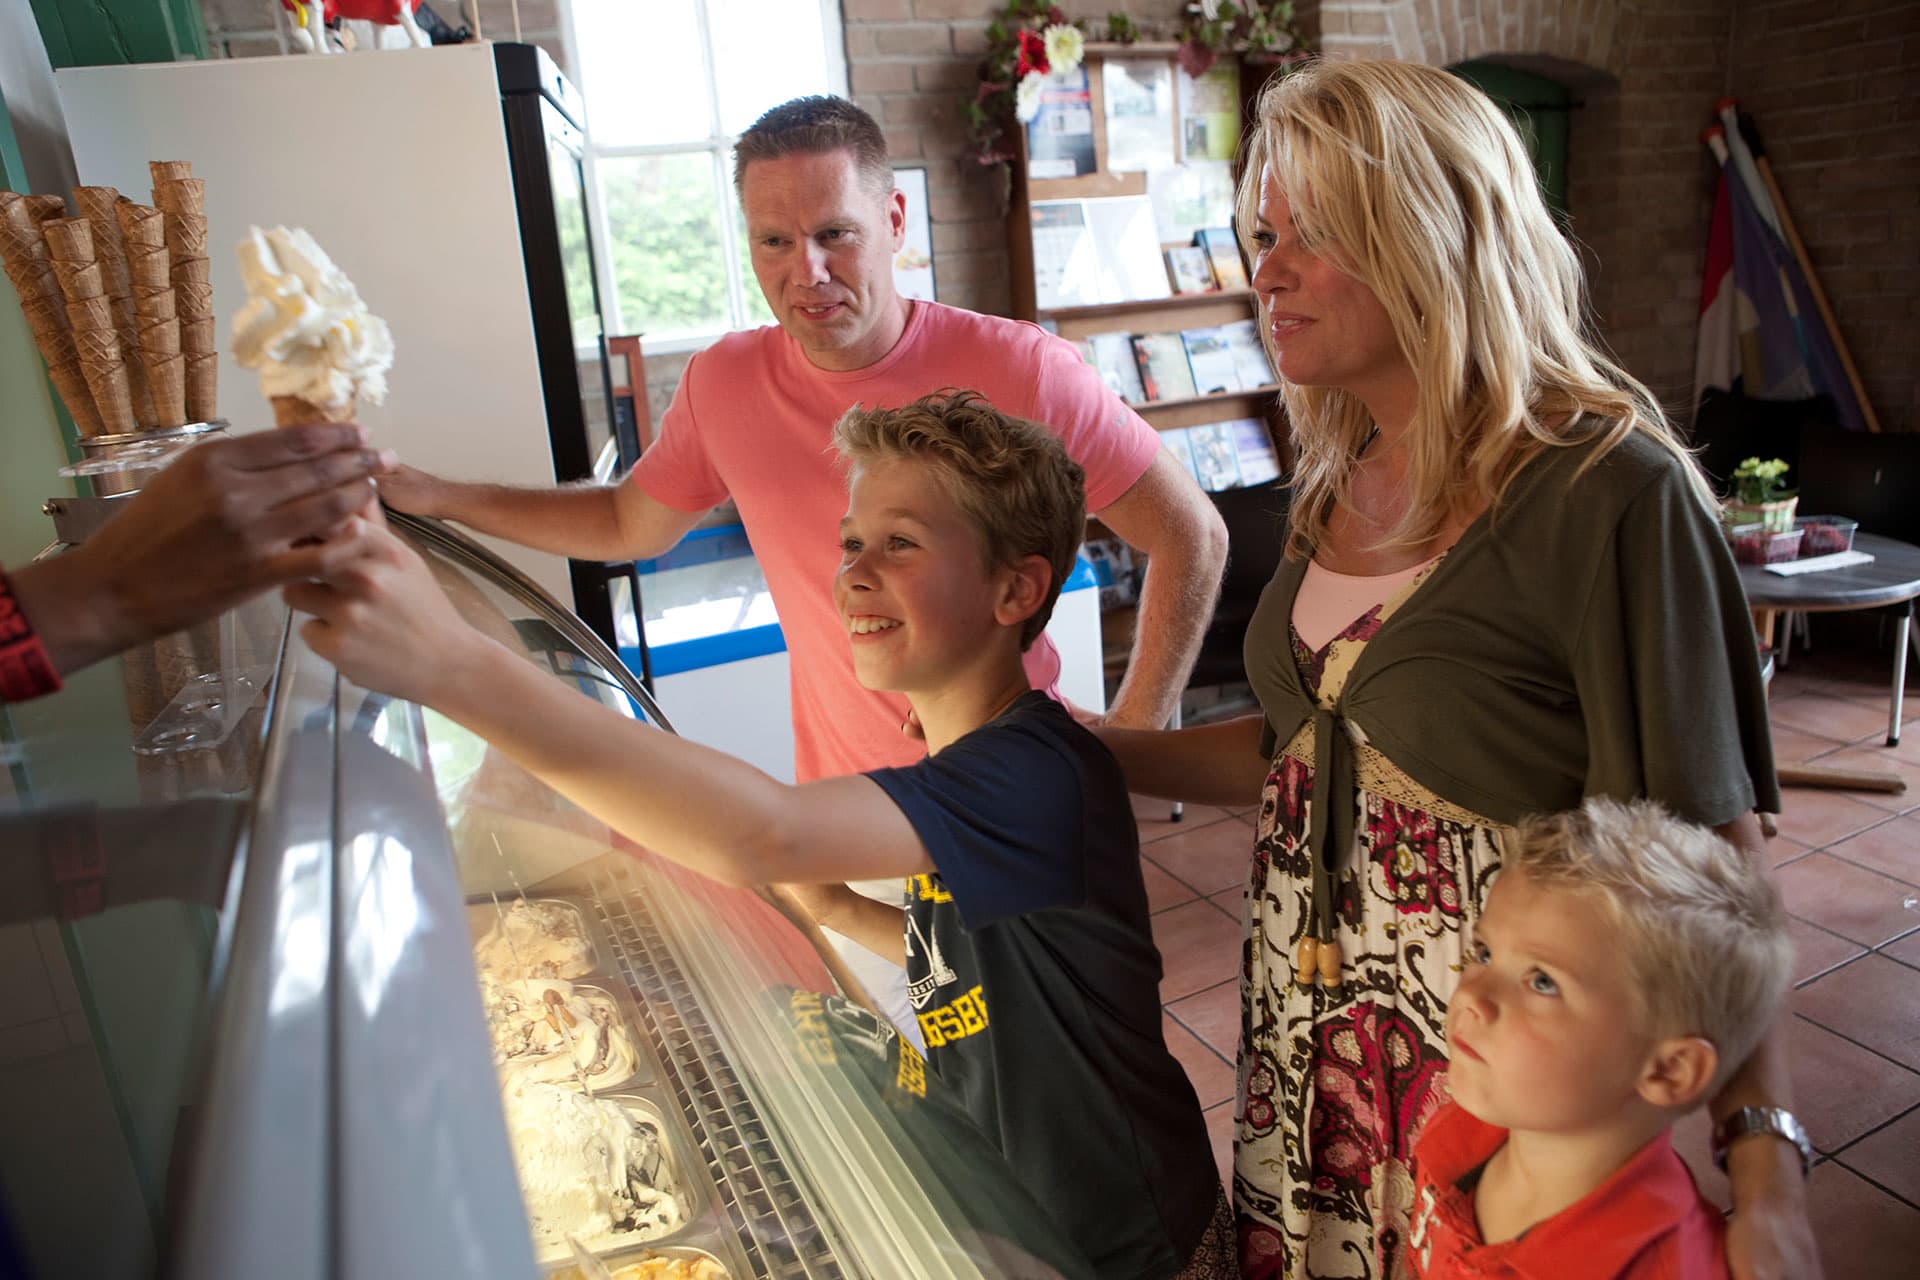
x: 1410, y: 180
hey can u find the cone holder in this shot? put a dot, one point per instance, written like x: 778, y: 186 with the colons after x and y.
x: 197, y: 670
x: 113, y: 456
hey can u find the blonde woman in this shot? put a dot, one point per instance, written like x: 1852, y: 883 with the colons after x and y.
x: 1503, y: 591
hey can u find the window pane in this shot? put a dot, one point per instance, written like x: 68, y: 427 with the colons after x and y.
x: 765, y: 52
x: 635, y: 96
x: 663, y: 238
x: 758, y: 313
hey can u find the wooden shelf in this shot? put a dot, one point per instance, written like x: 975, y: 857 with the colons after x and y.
x: 1175, y: 302
x: 1210, y: 398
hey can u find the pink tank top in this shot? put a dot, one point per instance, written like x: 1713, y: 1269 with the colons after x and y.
x: 1328, y: 602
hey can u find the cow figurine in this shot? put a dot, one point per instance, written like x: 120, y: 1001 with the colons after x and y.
x: 311, y: 18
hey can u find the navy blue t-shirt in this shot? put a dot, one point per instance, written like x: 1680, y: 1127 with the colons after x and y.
x: 1035, y: 980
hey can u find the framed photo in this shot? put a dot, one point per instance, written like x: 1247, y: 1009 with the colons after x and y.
x: 913, y: 265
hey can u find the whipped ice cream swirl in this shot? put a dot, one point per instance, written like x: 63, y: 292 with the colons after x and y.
x: 304, y: 326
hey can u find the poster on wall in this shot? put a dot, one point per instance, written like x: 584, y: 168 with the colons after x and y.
x: 1060, y: 136
x: 913, y: 265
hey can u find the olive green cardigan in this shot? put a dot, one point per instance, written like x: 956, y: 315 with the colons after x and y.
x: 1589, y: 637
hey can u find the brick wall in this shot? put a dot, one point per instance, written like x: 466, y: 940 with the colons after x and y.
x: 1832, y: 82
x: 1835, y: 88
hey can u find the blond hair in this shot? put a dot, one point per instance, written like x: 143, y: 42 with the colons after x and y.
x: 1011, y: 478
x: 1410, y: 180
x: 1699, y: 927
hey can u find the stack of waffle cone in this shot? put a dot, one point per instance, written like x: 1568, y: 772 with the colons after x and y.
x: 96, y: 335
x: 97, y: 206
x: 149, y: 276
x: 183, y: 201
x: 23, y: 250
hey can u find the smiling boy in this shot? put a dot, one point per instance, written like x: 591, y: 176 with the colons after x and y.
x: 1030, y: 962
x: 1624, y: 964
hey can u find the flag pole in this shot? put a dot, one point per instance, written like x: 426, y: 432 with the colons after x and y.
x: 1742, y: 126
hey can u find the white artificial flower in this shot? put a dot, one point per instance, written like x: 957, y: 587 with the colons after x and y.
x: 1026, y: 98
x: 1065, y: 47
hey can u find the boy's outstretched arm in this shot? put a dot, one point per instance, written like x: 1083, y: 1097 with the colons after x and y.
x: 384, y: 622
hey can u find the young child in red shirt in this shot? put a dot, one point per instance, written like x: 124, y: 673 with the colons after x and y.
x: 1626, y: 962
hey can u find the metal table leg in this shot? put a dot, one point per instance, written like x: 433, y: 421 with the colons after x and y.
x: 1902, y: 636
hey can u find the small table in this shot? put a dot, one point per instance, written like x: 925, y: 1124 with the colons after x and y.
x: 1889, y: 584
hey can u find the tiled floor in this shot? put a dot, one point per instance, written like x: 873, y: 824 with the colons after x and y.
x: 1849, y: 868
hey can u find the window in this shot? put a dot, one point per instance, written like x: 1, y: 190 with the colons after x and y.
x: 669, y: 85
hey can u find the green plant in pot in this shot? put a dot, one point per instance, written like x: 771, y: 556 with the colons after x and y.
x: 1759, y: 494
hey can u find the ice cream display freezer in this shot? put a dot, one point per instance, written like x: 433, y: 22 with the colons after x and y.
x: 356, y: 996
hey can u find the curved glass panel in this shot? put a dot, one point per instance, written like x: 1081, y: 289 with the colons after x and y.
x: 679, y: 1072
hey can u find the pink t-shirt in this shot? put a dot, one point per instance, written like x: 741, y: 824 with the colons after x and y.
x: 753, y: 419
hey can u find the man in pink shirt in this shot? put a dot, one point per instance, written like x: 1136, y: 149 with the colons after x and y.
x: 752, y: 418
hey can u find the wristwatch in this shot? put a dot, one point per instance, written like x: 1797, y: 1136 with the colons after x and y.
x: 1750, y: 1121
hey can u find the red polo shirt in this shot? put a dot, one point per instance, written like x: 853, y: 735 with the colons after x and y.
x: 1648, y: 1221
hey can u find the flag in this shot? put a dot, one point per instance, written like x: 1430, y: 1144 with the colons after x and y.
x: 1761, y: 335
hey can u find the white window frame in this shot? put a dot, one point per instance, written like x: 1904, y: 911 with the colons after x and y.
x: 718, y: 147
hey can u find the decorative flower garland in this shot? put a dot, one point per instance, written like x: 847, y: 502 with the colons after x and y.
x: 1033, y: 41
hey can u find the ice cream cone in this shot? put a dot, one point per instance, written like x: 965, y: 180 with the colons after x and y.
x: 164, y: 171
x: 45, y: 207
x: 141, y: 226
x: 167, y: 375
x: 193, y: 301
x: 23, y: 251
x: 292, y: 411
x: 150, y: 305
x: 161, y: 338
x: 195, y: 271
x: 92, y: 314
x: 196, y: 338
x: 106, y: 374
x: 203, y: 374
x: 99, y: 206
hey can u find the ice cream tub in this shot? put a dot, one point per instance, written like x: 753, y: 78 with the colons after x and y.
x: 670, y: 1263
x: 614, y: 1171
x: 571, y: 1033
x: 532, y: 938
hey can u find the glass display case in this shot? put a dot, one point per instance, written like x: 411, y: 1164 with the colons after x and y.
x: 357, y: 996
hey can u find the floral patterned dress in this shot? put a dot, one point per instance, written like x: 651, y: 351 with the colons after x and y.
x: 1335, y: 1086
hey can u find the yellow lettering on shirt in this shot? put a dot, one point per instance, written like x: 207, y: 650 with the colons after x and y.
x: 913, y: 1071
x: 926, y: 888
x: 965, y: 1016
x: 810, y: 1028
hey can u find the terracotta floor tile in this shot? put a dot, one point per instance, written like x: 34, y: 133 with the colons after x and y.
x: 1890, y: 1156
x: 1879, y: 759
x: 1892, y: 848
x: 1848, y: 900
x: 1214, y: 1016
x: 1154, y: 818
x: 1815, y: 950
x: 1842, y: 1091
x: 1211, y: 1075
x: 1163, y: 890
x: 1199, y: 948
x: 1693, y: 1140
x: 1906, y: 950
x: 1818, y: 817
x: 1873, y: 1001
x: 1793, y: 746
x: 1209, y: 858
x: 1784, y: 849
x: 1828, y: 716
x: 1220, y: 1131
x: 1862, y: 1231
x: 1233, y: 902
